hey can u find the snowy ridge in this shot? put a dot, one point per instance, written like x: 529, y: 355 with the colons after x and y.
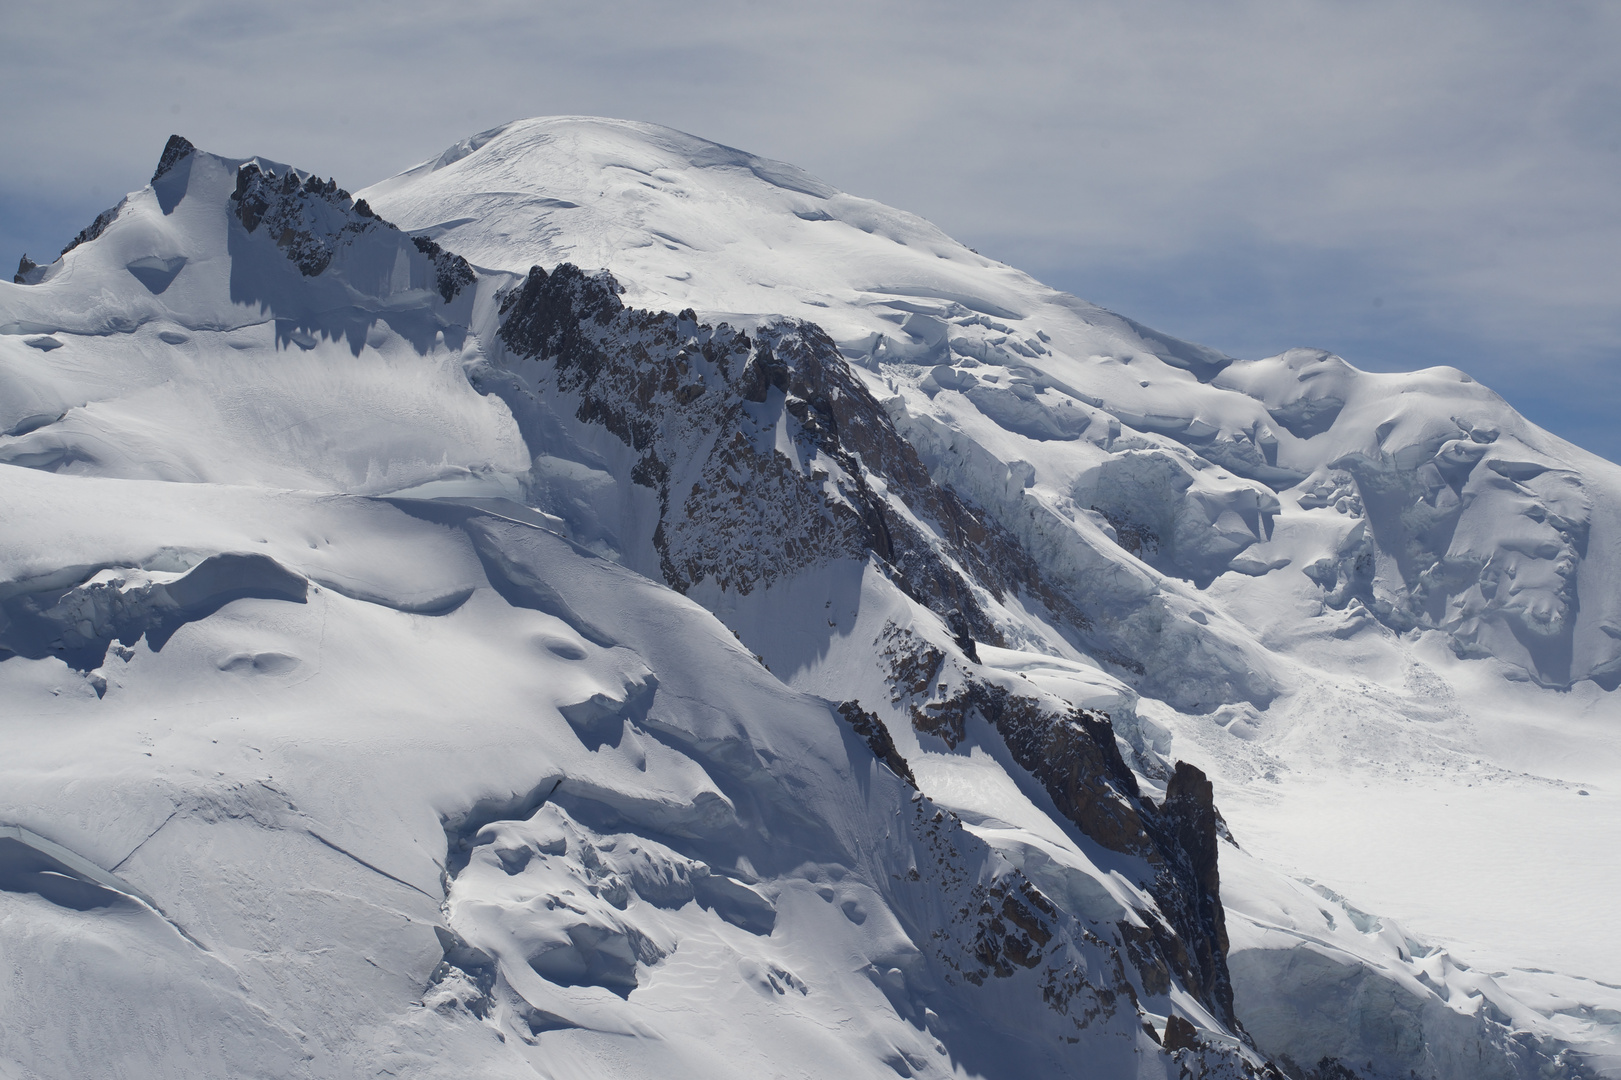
x: 394, y: 706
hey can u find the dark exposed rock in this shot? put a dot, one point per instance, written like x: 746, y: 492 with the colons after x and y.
x: 1142, y: 948
x: 312, y: 219
x: 961, y: 634
x: 1077, y: 762
x: 542, y: 316
x: 307, y: 217
x: 675, y: 390
x: 1179, y: 1034
x: 912, y: 664
x: 452, y: 272
x: 878, y: 739
x: 1004, y: 925
x: 1015, y: 923
x: 92, y: 230
x: 175, y: 149
x: 1309, y: 416
x: 1189, y: 825
x: 1074, y: 756
x: 988, y: 922
x: 24, y: 265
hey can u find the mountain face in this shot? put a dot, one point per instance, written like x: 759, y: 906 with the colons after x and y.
x: 601, y: 603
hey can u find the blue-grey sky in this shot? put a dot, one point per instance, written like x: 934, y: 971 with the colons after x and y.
x: 1404, y: 183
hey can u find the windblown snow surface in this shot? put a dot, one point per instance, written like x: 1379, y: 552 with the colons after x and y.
x: 600, y: 603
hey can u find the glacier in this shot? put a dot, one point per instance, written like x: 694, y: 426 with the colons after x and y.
x: 603, y: 603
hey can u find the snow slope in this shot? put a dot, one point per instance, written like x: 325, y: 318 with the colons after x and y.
x: 341, y: 624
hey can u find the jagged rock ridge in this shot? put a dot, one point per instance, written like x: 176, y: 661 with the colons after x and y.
x: 311, y: 219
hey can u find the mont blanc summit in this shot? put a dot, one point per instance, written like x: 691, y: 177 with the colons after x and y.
x: 600, y: 603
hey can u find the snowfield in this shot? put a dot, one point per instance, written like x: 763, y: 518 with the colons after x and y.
x: 600, y: 603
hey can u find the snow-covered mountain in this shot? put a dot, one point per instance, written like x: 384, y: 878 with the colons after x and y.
x: 601, y: 603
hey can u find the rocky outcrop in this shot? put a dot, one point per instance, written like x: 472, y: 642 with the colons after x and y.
x: 90, y: 231
x: 297, y: 213
x: 312, y: 220
x: 703, y: 407
x: 173, y: 151
x: 1074, y: 755
x: 451, y: 271
x: 1188, y: 826
x: 878, y: 739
